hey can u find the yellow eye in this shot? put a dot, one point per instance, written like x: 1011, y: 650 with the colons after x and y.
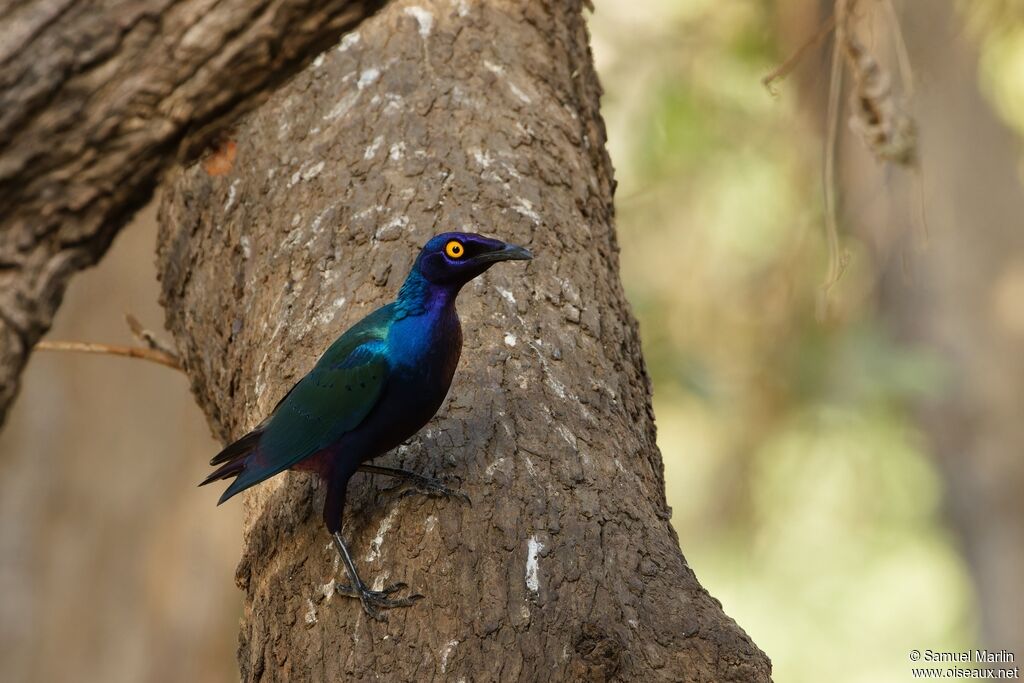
x: 454, y: 249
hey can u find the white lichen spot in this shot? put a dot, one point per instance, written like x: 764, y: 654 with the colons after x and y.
x: 619, y: 467
x: 368, y: 77
x: 520, y: 95
x: 348, y: 41
x: 549, y: 377
x: 511, y: 170
x: 342, y: 106
x: 495, y: 69
x: 296, y: 219
x: 397, y: 151
x: 319, y: 61
x: 446, y: 652
x: 524, y: 207
x: 395, y: 103
x: 569, y: 437
x: 529, y: 466
x: 371, y: 149
x: 428, y: 523
x: 506, y: 295
x: 328, y: 588
x: 464, y: 98
x: 493, y: 466
x: 378, y: 581
x: 246, y: 246
x: 633, y: 622
x: 310, y: 613
x: 510, y: 339
x: 318, y: 221
x: 378, y: 540
x: 462, y: 7
x: 313, y: 171
x: 424, y: 18
x: 327, y: 315
x: 533, y: 548
x: 392, y: 229
x: 232, y: 193
x: 482, y: 157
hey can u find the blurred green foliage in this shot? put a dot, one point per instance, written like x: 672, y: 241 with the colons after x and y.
x: 998, y: 26
x: 803, y: 495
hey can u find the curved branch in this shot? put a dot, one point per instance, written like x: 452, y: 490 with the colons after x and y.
x: 97, y: 100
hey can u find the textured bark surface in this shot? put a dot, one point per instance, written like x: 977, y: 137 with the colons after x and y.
x: 96, y: 100
x: 446, y: 115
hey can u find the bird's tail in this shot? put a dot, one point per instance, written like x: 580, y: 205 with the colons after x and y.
x: 233, y: 460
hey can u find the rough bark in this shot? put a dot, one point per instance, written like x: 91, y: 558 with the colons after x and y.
x: 97, y: 99
x: 435, y: 116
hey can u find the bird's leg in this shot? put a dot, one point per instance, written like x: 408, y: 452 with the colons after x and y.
x: 419, y: 483
x: 370, y: 599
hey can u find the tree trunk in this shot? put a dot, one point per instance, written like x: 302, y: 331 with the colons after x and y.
x: 434, y: 116
x: 96, y: 100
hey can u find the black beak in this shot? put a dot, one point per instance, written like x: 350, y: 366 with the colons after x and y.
x: 513, y: 252
x: 509, y: 252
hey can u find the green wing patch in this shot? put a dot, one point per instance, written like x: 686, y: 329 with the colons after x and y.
x: 326, y: 403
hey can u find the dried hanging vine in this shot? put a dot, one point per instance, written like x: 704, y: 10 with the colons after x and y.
x: 877, y: 114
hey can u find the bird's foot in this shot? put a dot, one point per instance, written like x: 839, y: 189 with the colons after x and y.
x: 433, y: 489
x: 372, y: 600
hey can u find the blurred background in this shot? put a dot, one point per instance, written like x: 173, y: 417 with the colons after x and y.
x: 845, y: 478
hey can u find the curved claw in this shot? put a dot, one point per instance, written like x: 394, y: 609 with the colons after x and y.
x: 435, y: 489
x: 371, y: 600
x: 354, y: 593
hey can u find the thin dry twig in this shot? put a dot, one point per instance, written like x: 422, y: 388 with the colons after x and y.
x: 784, y: 69
x: 836, y: 258
x: 153, y: 355
x: 155, y: 350
x: 145, y: 336
x: 877, y: 115
x: 902, y: 54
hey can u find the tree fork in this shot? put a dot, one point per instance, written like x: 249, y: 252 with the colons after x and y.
x: 442, y: 115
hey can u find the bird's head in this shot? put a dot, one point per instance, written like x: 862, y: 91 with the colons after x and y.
x: 455, y: 258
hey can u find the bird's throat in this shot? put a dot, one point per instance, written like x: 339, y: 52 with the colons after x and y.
x: 419, y: 296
